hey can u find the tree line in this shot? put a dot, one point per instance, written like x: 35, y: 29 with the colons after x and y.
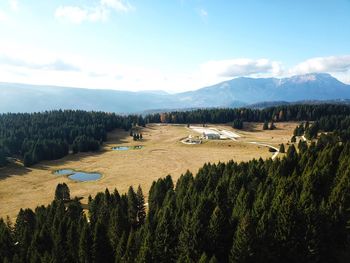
x: 52, y: 135
x: 302, y: 112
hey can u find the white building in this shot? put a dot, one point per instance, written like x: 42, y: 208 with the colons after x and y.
x: 211, y: 136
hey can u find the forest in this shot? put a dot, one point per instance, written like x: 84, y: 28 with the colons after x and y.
x: 291, y: 209
x: 51, y: 135
x: 54, y: 134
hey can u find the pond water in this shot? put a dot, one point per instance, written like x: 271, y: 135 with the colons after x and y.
x: 125, y: 148
x: 64, y: 172
x: 84, y: 177
x: 78, y: 176
x: 121, y: 148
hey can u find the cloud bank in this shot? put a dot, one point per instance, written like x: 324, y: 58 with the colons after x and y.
x: 3, y: 16
x: 323, y: 64
x: 23, y: 64
x: 241, y: 67
x: 100, y: 12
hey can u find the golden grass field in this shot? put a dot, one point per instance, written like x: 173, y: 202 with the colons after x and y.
x: 163, y: 154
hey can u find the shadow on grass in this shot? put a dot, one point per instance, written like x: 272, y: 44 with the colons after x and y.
x: 13, y: 169
x: 17, y: 168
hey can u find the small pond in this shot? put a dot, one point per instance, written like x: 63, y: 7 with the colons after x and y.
x: 64, y: 172
x: 121, y: 148
x: 78, y: 176
x: 84, y: 177
x: 125, y: 148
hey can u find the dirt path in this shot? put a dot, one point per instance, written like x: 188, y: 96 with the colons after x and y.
x: 269, y: 146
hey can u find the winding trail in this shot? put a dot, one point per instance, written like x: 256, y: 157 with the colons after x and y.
x: 269, y: 146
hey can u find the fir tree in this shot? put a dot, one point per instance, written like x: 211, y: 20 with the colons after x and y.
x: 282, y: 150
x: 141, y: 210
x: 101, y: 247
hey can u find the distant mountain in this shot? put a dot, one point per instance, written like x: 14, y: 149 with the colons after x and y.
x: 31, y: 98
x: 233, y: 93
x: 252, y: 90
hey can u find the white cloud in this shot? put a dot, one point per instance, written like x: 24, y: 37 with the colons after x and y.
x: 35, y: 65
x: 241, y: 67
x: 3, y: 16
x: 323, y: 64
x: 117, y: 5
x: 100, y: 12
x: 73, y: 14
x: 13, y: 5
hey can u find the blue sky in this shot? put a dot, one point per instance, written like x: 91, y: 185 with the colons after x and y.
x: 173, y: 45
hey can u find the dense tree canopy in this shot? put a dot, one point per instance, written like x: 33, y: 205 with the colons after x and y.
x: 296, y: 112
x: 50, y: 135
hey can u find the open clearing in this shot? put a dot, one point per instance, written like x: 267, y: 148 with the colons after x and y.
x: 162, y: 154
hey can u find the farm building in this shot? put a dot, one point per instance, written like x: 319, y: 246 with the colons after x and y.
x: 211, y: 136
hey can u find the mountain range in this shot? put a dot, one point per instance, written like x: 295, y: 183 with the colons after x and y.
x: 232, y: 93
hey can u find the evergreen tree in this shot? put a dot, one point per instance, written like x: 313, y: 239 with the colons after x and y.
x: 85, y: 245
x: 282, y: 150
x: 218, y: 234
x: 101, y: 248
x: 266, y: 125
x: 141, y: 210
x: 242, y: 249
x: 121, y: 248
x: 62, y: 192
x: 132, y: 207
x: 204, y: 258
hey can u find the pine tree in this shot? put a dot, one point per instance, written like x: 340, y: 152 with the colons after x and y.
x: 242, y: 249
x: 266, y: 125
x: 213, y: 260
x: 85, y: 245
x: 62, y: 192
x: 217, y: 234
x: 131, y: 248
x: 121, y: 248
x: 282, y: 150
x: 6, y: 242
x: 145, y: 253
x: 165, y: 238
x: 141, y: 209
x: 101, y: 247
x: 204, y: 258
x: 294, y: 139
x: 132, y: 207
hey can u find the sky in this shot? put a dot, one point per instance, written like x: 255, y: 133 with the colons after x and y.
x: 171, y: 45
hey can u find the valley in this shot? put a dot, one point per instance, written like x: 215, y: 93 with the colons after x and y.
x: 162, y: 154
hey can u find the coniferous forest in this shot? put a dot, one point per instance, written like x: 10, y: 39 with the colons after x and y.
x: 291, y: 209
x: 51, y: 135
